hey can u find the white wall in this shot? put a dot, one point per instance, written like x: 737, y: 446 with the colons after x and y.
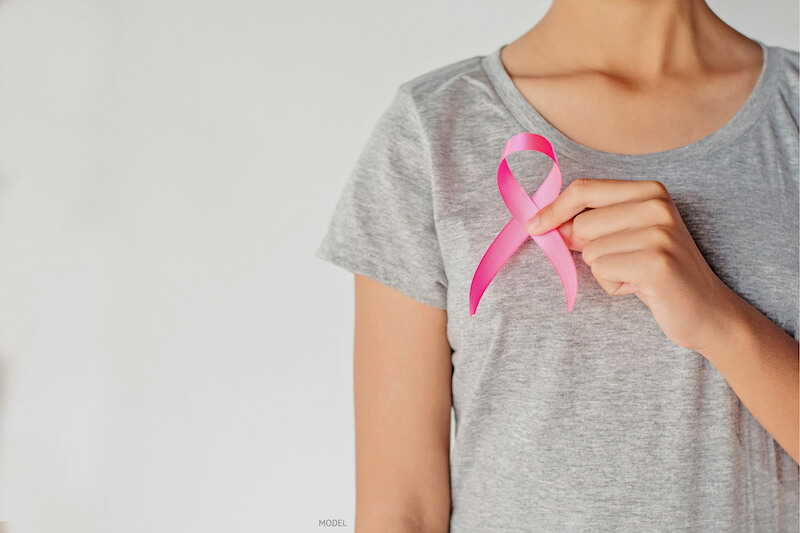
x: 172, y: 356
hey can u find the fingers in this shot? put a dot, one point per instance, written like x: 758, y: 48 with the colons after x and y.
x: 625, y: 288
x: 654, y: 238
x: 573, y: 241
x: 596, y: 223
x: 592, y: 193
x: 632, y: 267
x: 621, y: 261
x: 624, y: 229
x: 619, y: 288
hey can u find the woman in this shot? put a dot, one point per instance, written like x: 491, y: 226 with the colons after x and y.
x: 667, y: 398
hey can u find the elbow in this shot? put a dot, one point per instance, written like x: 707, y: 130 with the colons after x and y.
x: 397, y: 523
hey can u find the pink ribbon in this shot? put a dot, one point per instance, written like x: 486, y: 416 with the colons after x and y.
x: 514, y: 233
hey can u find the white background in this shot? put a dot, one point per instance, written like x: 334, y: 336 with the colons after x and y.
x: 172, y: 355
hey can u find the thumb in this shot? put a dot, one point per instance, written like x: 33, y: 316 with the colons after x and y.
x: 544, y: 216
x: 540, y: 222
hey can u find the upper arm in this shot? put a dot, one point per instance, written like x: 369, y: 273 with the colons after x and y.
x: 402, y: 379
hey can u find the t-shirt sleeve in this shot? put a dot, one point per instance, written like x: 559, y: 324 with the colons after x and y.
x: 382, y: 225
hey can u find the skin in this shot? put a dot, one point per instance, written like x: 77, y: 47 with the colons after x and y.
x: 622, y: 76
x: 402, y: 377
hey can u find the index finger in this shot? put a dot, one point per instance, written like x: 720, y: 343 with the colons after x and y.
x: 586, y: 193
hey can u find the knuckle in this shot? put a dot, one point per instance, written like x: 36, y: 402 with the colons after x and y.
x: 660, y: 237
x: 598, y: 273
x: 577, y: 187
x: 588, y: 254
x: 579, y: 227
x: 578, y: 183
x: 659, y: 208
x: 597, y: 267
x: 659, y: 189
x: 660, y: 261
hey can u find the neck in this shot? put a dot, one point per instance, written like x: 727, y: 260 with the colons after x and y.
x: 632, y: 39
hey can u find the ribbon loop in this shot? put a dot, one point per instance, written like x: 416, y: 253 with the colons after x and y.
x: 514, y: 233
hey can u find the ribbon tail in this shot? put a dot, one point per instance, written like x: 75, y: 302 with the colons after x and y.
x: 560, y: 255
x: 504, y: 245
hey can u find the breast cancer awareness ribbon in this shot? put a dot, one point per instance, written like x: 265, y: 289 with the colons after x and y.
x: 514, y: 233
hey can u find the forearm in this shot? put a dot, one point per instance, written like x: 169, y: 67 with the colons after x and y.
x: 760, y: 363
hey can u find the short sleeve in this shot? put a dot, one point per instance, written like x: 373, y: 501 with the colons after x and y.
x: 382, y: 225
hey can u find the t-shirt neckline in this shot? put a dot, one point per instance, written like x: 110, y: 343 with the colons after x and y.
x: 527, y: 115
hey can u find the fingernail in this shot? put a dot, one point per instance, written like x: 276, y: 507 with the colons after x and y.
x: 531, y: 224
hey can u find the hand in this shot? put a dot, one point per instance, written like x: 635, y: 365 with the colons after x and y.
x: 633, y: 238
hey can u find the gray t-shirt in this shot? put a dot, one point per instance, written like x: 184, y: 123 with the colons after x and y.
x: 591, y: 420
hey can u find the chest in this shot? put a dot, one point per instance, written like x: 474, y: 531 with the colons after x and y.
x: 740, y: 216
x: 638, y: 118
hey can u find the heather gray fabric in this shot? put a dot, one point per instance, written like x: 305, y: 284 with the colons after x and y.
x: 590, y: 420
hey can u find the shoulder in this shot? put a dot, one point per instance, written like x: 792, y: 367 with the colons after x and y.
x: 788, y: 61
x: 787, y: 66
x: 438, y: 91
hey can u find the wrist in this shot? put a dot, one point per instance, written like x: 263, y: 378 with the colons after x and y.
x: 732, y: 326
